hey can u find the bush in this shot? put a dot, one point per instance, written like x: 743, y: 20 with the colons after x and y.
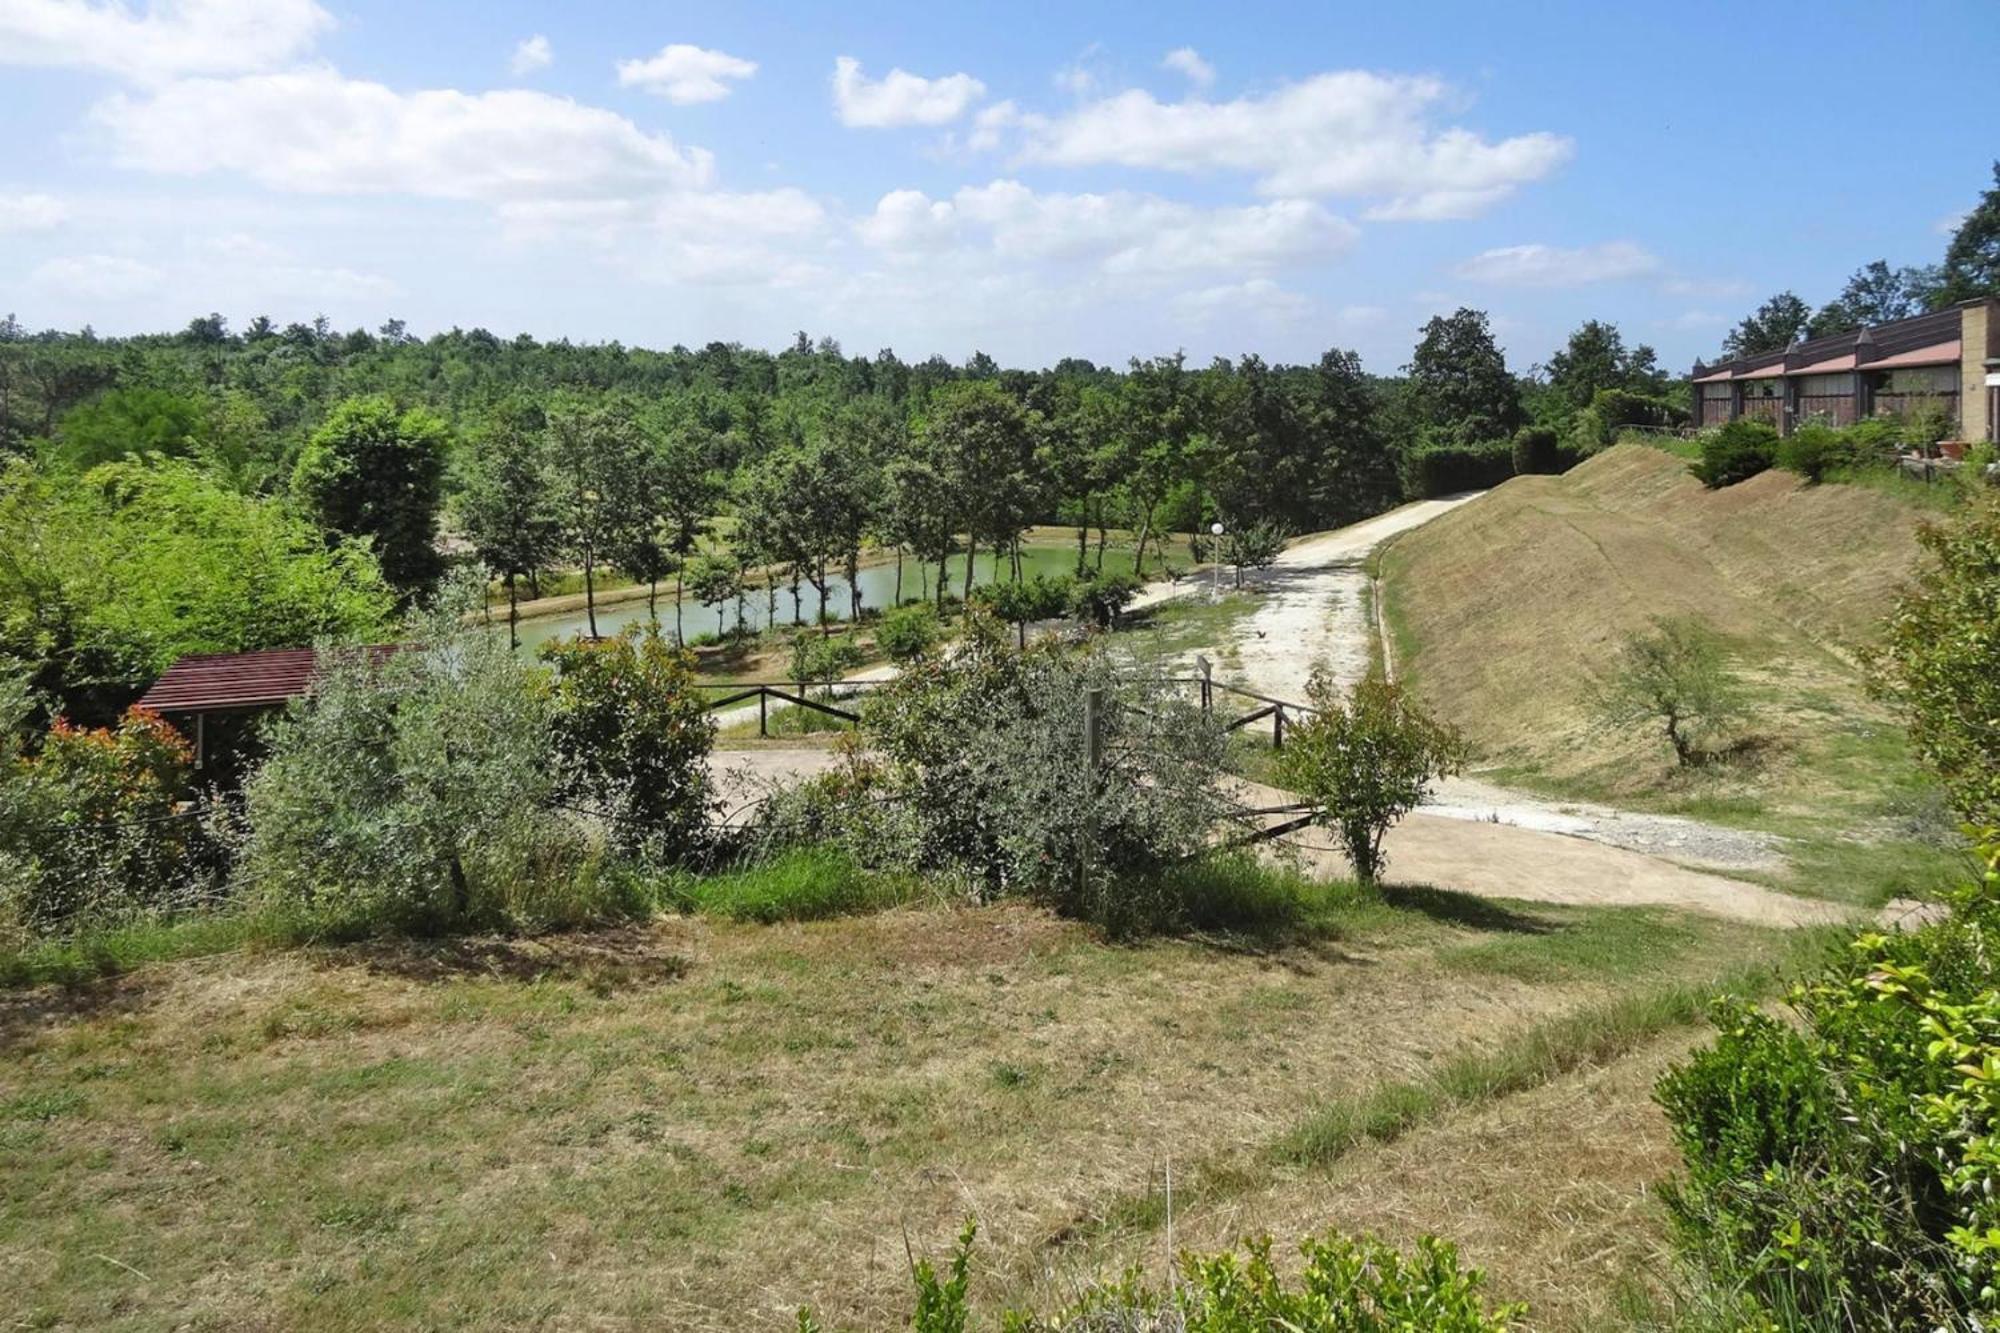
x: 1842, y: 1172
x: 973, y: 767
x: 1941, y: 665
x: 1736, y: 452
x: 631, y: 737
x: 1619, y: 408
x: 1438, y: 468
x: 908, y: 632
x: 1812, y: 450
x: 1537, y: 452
x: 420, y: 794
x: 822, y: 659
x: 1343, y: 1286
x: 92, y: 827
x: 1365, y: 759
x: 1099, y: 598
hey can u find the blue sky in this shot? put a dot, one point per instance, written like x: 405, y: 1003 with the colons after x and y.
x: 1034, y: 180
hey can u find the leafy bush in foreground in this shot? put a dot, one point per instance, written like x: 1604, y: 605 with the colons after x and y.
x: 1846, y: 1173
x: 1736, y: 452
x: 418, y: 793
x: 1345, y: 1286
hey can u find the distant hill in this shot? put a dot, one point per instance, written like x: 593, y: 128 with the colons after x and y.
x: 1506, y: 610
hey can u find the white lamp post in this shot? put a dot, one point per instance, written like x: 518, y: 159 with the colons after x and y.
x: 1215, y: 531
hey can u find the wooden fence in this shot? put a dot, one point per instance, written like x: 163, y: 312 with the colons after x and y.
x: 793, y: 693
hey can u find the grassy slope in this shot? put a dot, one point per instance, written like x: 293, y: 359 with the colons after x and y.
x: 700, y: 1124
x: 1506, y: 610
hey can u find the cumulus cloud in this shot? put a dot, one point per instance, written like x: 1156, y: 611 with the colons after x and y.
x: 1350, y: 133
x: 1187, y: 62
x: 31, y: 212
x: 313, y: 131
x: 1261, y: 299
x: 170, y: 38
x: 718, y: 237
x: 1555, y: 266
x: 1120, y: 233
x: 99, y: 277
x: 531, y: 54
x: 900, y: 98
x: 686, y: 74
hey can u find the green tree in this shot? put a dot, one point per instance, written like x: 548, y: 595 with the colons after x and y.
x: 631, y: 737
x: 1252, y: 546
x: 1596, y: 358
x: 128, y: 421
x: 1457, y: 382
x: 981, y: 441
x: 1941, y: 665
x: 1972, y: 260
x: 715, y: 581
x: 1677, y: 680
x: 377, y: 472
x: 597, y: 459
x: 1365, y: 759
x: 1875, y: 294
x: 687, y: 493
x: 504, y: 505
x: 1357, y: 474
x: 1772, y: 327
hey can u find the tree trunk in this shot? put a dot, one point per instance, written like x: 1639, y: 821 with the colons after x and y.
x: 971, y: 547
x: 899, y: 573
x: 1017, y: 557
x: 589, y: 595
x: 680, y: 596
x: 944, y: 577
x: 1082, y: 548
x: 798, y: 609
x: 513, y: 612
x: 854, y: 585
x: 653, y: 601
x: 1103, y: 536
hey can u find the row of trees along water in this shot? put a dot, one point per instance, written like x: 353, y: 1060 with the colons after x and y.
x: 274, y: 486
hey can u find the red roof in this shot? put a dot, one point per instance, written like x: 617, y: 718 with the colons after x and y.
x: 1937, y: 354
x: 1832, y: 363
x: 208, y: 682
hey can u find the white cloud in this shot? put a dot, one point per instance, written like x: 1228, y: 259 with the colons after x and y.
x: 900, y: 98
x: 99, y: 277
x: 1706, y: 288
x: 169, y: 39
x: 1187, y: 61
x: 1259, y: 298
x: 1690, y: 321
x: 531, y: 54
x: 1120, y: 233
x: 1349, y: 133
x: 1555, y: 266
x: 316, y: 132
x: 31, y: 212
x: 686, y: 74
x: 768, y: 238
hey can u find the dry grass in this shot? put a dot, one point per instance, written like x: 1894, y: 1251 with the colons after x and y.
x: 1507, y: 611
x: 702, y: 1125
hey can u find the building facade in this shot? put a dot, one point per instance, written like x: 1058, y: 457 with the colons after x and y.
x: 1948, y: 359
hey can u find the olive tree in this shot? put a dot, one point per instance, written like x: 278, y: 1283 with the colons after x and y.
x: 1364, y: 759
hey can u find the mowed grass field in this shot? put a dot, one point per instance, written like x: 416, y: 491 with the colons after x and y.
x: 1506, y: 613
x: 699, y: 1123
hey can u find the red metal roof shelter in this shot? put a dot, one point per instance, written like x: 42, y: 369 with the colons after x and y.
x: 204, y: 683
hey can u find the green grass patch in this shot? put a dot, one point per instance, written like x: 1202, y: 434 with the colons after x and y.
x: 810, y: 884
x: 1235, y: 893
x: 95, y: 952
x: 1607, y: 942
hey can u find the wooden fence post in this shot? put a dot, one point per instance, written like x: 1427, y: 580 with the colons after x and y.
x: 763, y: 713
x: 1278, y: 728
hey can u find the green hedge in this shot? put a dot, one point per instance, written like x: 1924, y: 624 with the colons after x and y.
x: 1432, y: 470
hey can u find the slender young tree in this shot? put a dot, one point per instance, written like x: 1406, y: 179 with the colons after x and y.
x: 504, y: 506
x: 597, y: 459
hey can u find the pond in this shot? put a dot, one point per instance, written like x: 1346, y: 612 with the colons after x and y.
x: 878, y: 590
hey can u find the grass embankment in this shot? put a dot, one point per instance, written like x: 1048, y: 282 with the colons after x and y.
x: 1504, y: 613
x: 701, y: 1122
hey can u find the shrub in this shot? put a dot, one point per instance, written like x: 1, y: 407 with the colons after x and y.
x: 1677, y: 678
x: 1365, y: 759
x: 822, y: 659
x: 1252, y: 546
x: 1736, y: 452
x: 1941, y: 664
x: 419, y: 793
x: 973, y: 766
x: 1537, y: 452
x: 1812, y: 450
x: 1439, y: 468
x: 1344, y: 1286
x: 1842, y: 1172
x: 1101, y: 598
x: 91, y: 826
x: 908, y: 632
x: 1619, y: 408
x: 631, y: 737
x: 1043, y: 597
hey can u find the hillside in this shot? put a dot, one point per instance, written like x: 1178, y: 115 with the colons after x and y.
x: 1506, y: 611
